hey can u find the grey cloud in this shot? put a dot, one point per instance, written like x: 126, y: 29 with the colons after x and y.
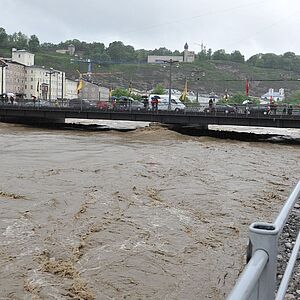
x: 246, y: 25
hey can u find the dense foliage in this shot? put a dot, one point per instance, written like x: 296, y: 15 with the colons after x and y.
x: 117, y: 52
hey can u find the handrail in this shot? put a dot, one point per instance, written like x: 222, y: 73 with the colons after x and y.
x: 254, y: 268
x: 289, y: 204
x: 264, y: 237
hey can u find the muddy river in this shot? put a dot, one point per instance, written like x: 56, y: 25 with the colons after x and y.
x: 144, y: 214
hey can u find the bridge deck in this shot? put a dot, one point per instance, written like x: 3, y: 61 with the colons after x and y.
x: 53, y: 114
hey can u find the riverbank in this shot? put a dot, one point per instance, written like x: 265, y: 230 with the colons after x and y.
x: 286, y: 244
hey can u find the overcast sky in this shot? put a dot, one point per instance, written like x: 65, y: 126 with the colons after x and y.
x: 251, y: 26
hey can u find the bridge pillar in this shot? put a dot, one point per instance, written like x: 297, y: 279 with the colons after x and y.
x: 190, y: 129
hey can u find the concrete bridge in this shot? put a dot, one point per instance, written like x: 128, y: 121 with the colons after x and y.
x: 39, y: 115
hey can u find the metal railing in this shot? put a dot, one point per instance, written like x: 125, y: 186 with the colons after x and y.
x: 241, y: 111
x: 258, y: 279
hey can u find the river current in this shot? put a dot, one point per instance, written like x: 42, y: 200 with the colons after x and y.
x: 143, y: 214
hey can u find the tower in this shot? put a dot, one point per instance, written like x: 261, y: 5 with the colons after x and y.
x: 185, y: 52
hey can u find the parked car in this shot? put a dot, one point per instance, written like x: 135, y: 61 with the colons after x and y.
x: 258, y: 110
x: 79, y: 103
x: 43, y: 103
x: 163, y: 103
x: 222, y: 109
x: 128, y: 103
x: 103, y: 105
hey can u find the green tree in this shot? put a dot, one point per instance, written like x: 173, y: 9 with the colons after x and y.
x: 254, y: 59
x: 118, y: 92
x: 48, y: 47
x: 289, y: 55
x: 104, y: 58
x: 94, y: 51
x: 177, y: 53
x: 159, y: 90
x: 118, y: 52
x: 33, y: 43
x: 236, y: 56
x: 294, y: 98
x: 239, y: 98
x: 161, y: 51
x: 18, y: 40
x: 3, y: 38
x: 141, y: 55
x: 202, y: 55
x: 220, y: 55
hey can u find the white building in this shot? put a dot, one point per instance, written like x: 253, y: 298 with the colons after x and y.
x: 188, y: 56
x: 70, y: 50
x: 160, y: 59
x: 272, y: 95
x: 71, y: 89
x: 3, y: 66
x: 44, y: 83
x: 14, y: 78
x: 21, y: 76
x: 23, y: 57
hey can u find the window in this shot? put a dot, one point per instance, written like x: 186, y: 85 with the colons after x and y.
x: 31, y: 87
x: 31, y: 79
x: 25, y: 87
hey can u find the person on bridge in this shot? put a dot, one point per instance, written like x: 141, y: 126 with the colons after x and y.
x: 146, y: 102
x: 154, y: 103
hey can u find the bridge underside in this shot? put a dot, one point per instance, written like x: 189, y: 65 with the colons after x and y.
x: 201, y: 120
x: 32, y: 120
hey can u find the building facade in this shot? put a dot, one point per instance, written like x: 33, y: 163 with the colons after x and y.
x: 19, y: 76
x: 90, y: 91
x: 159, y: 59
x: 23, y: 57
x: 3, y: 67
x: 274, y: 96
x: 71, y: 89
x: 43, y: 83
x: 188, y: 56
x: 14, y: 78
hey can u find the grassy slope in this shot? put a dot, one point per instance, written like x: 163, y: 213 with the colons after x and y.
x: 145, y: 77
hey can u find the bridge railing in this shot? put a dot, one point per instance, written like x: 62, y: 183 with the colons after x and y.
x: 282, y: 111
x: 258, y: 279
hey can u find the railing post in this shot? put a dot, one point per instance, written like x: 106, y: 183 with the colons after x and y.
x: 264, y: 236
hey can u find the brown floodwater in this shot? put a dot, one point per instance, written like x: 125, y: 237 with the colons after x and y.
x: 145, y: 214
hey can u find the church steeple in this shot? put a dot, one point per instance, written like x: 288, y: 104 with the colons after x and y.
x: 186, y: 46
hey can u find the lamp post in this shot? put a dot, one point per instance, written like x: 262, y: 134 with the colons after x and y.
x: 62, y: 87
x: 198, y: 79
x: 50, y: 73
x: 2, y: 65
x: 170, y: 62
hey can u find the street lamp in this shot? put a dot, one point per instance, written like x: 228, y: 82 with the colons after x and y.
x: 50, y: 73
x: 170, y: 62
x: 198, y: 79
x: 2, y: 66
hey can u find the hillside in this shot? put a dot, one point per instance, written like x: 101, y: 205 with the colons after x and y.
x: 204, y: 77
